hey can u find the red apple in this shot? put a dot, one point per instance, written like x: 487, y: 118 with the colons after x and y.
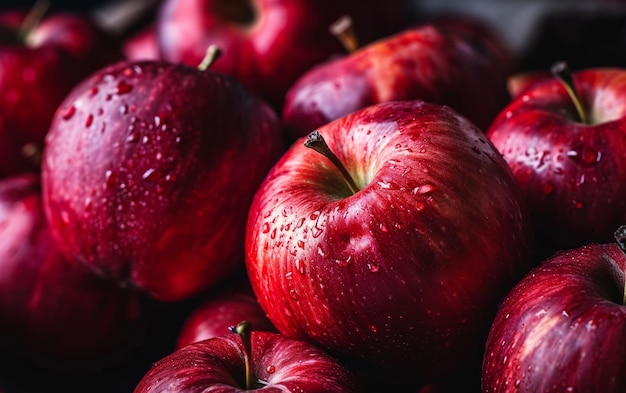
x: 54, y: 310
x: 221, y: 309
x: 142, y: 45
x: 562, y: 327
x: 276, y: 363
x: 430, y: 63
x: 267, y: 44
x: 572, y: 171
x: 38, y: 67
x: 398, y: 278
x: 149, y: 169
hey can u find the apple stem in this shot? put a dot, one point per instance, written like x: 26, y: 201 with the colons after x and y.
x: 343, y: 29
x: 33, y: 18
x: 620, y: 238
x: 244, y: 330
x: 316, y: 141
x: 213, y: 53
x: 562, y: 72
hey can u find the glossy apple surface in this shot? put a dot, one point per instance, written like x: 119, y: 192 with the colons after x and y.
x: 430, y: 63
x: 561, y: 328
x: 267, y: 44
x: 54, y: 310
x: 401, y: 279
x: 37, y: 70
x: 221, y: 309
x: 572, y: 174
x: 148, y: 172
x: 279, y: 364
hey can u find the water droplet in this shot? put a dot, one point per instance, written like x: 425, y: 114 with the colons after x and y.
x: 300, y: 266
x: 89, y: 120
x: 124, y: 109
x: 373, y: 267
x: 110, y: 178
x: 424, y: 189
x: 344, y: 262
x: 123, y: 88
x: 273, y: 234
x: 314, y: 215
x: 300, y: 223
x: 316, y: 232
x: 584, y: 155
x: 419, y: 206
x: 320, y: 251
x: 270, y: 369
x: 151, y: 175
x: 132, y: 137
x: 383, y: 227
x: 293, y: 294
x: 157, y: 121
x: 68, y: 113
x: 265, y: 228
x: 384, y: 185
x: 88, y: 204
x: 301, y: 244
x: 267, y: 214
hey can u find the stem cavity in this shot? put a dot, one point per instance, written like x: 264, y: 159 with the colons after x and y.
x: 561, y: 71
x: 343, y: 29
x: 316, y: 142
x: 244, y: 330
x: 213, y: 53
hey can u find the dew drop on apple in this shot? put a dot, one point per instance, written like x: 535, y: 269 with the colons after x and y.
x: 265, y: 228
x: 89, y: 120
x: 68, y: 113
x: 584, y: 155
x: 270, y: 369
x: 151, y: 175
x: 273, y: 234
x: 110, y: 178
x: 123, y: 88
x: 374, y: 268
x: 314, y: 215
x: 383, y: 227
x: 293, y: 294
x: 299, y: 263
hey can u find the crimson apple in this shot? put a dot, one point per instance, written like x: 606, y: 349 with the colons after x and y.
x: 428, y: 62
x: 267, y: 44
x: 561, y: 328
x: 142, y: 45
x: 399, y: 271
x: 569, y: 163
x: 149, y: 169
x: 54, y: 310
x: 260, y: 361
x: 39, y: 64
x: 221, y: 309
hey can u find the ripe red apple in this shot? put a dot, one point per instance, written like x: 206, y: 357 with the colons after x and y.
x: 399, y: 277
x: 267, y: 44
x: 149, y: 169
x: 39, y: 64
x: 142, y: 45
x: 561, y: 328
x: 262, y: 361
x: 435, y: 64
x: 569, y: 163
x: 55, y: 311
x: 221, y: 309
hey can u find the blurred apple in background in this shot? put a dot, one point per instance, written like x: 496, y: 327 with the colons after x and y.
x: 267, y: 44
x: 562, y: 327
x: 431, y: 63
x: 149, y: 169
x: 259, y: 361
x: 398, y: 272
x: 142, y: 45
x: 41, y: 58
x: 570, y: 164
x: 226, y: 306
x: 53, y: 310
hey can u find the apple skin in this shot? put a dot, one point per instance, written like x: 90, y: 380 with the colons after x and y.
x: 266, y: 44
x: 400, y: 280
x: 428, y: 62
x: 149, y: 169
x: 221, y: 309
x: 37, y: 72
x: 216, y: 365
x: 55, y: 311
x: 561, y: 328
x: 572, y: 175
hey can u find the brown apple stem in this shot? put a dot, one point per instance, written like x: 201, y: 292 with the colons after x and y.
x: 316, y: 141
x: 343, y: 29
x: 213, y: 53
x: 620, y: 238
x: 33, y: 18
x: 244, y: 330
x: 561, y: 71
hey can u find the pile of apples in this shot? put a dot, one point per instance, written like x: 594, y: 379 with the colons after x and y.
x: 305, y: 195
